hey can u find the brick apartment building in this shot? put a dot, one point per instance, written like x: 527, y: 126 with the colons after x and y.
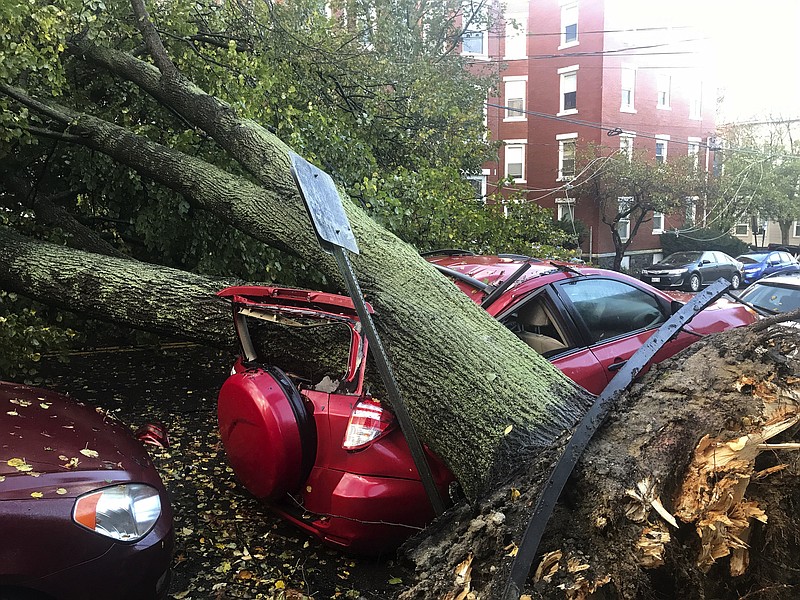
x: 570, y: 71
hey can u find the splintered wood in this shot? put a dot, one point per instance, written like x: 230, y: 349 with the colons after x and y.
x: 712, y: 496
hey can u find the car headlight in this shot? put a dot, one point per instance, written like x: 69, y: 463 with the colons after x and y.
x: 124, y: 512
x: 676, y: 271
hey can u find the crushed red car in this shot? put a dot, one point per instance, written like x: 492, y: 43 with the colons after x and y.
x: 83, y: 512
x: 329, y: 457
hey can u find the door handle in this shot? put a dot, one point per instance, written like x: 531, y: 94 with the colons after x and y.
x: 617, y: 365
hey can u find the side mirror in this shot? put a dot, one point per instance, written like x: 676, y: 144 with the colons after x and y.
x: 705, y: 261
x: 675, y: 306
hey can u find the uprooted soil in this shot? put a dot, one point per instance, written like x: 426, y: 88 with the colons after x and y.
x: 228, y: 545
x: 688, y: 439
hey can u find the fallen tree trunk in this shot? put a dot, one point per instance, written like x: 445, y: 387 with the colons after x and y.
x: 689, y: 490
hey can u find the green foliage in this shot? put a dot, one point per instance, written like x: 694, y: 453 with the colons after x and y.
x: 704, y: 239
x: 760, y: 175
x: 435, y: 209
x: 379, y: 99
x: 25, y: 336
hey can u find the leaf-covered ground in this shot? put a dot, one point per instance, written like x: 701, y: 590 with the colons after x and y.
x: 228, y: 545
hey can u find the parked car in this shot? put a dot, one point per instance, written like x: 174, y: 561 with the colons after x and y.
x: 83, y: 513
x: 692, y: 270
x: 774, y: 294
x: 756, y: 265
x: 328, y: 456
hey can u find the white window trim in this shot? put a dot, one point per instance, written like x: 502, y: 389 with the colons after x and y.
x: 659, y: 230
x: 561, y: 72
x: 668, y: 105
x: 626, y: 221
x: 625, y: 107
x: 665, y: 139
x: 511, y: 79
x: 796, y: 229
x: 506, y: 144
x: 694, y: 144
x: 560, y: 139
x: 522, y: 19
x: 563, y: 36
x: 483, y: 179
x: 627, y: 135
x: 484, y: 55
x: 565, y: 206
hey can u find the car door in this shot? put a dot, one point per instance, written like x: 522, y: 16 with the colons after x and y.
x: 710, y: 268
x: 615, y: 318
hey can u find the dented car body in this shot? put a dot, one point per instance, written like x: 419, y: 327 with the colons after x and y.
x: 326, y: 454
x: 329, y: 457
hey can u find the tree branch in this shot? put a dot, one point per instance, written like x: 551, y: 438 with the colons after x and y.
x: 251, y: 208
x: 152, y: 40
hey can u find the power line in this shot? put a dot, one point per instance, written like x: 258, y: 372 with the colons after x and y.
x: 618, y: 131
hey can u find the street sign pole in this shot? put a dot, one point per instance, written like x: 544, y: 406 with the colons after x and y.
x: 336, y: 237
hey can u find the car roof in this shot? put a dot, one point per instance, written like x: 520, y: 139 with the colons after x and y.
x: 783, y: 279
x: 493, y: 270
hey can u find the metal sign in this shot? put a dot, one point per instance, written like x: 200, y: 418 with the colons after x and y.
x: 324, y: 205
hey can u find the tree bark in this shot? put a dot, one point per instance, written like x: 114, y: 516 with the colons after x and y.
x: 144, y: 296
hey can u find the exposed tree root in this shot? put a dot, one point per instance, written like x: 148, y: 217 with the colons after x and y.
x: 690, y: 489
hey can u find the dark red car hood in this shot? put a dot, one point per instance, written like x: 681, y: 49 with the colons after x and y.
x: 53, y: 446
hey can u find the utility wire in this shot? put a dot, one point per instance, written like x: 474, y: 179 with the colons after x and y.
x: 618, y: 131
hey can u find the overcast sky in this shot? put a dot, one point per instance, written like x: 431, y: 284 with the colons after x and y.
x: 758, y: 55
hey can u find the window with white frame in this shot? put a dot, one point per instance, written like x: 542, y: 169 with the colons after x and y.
x: 741, y: 228
x: 566, y: 155
x: 624, y: 204
x: 515, y: 160
x: 516, y: 31
x: 696, y: 100
x: 628, y: 88
x: 661, y: 148
x: 569, y: 90
x: 474, y: 38
x: 691, y: 209
x: 478, y: 183
x: 663, y: 85
x: 626, y: 145
x: 658, y: 223
x: 565, y: 209
x: 796, y: 229
x: 569, y: 24
x: 694, y: 152
x: 515, y: 98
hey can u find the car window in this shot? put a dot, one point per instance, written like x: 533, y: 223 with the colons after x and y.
x: 773, y: 298
x: 610, y: 308
x: 708, y: 256
x: 750, y: 259
x: 537, y: 323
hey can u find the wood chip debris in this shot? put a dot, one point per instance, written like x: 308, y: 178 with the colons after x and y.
x: 712, y: 496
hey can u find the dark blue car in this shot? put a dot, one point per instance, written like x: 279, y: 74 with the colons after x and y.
x: 760, y: 264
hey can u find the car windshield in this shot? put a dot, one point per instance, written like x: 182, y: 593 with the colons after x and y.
x: 682, y: 258
x: 751, y: 259
x: 773, y: 297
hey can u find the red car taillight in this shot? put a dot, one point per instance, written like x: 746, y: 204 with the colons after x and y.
x: 368, y: 422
